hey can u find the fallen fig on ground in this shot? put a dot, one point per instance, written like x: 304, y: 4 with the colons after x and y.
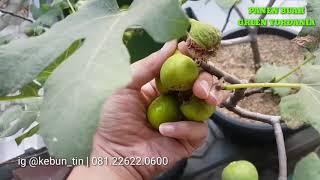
x: 240, y: 170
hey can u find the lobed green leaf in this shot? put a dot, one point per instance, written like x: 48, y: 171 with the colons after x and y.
x: 76, y: 90
x: 302, y: 107
x: 269, y: 73
x: 308, y: 168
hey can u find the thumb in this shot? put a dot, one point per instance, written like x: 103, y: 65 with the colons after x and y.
x: 148, y: 68
x: 193, y: 132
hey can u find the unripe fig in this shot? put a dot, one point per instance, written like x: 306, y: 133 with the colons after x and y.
x: 130, y: 34
x: 240, y: 170
x: 179, y: 72
x: 203, y: 40
x: 34, y: 30
x: 163, y: 109
x: 127, y: 36
x: 125, y: 7
x: 161, y: 88
x: 197, y: 109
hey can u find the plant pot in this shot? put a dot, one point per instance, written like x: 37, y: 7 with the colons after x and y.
x: 245, y: 131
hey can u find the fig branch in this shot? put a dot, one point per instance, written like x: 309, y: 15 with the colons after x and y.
x: 308, y: 59
x: 71, y: 7
x: 238, y: 94
x: 239, y: 12
x: 16, y: 15
x: 250, y: 38
x: 270, y: 4
x: 219, y: 73
x: 239, y: 40
x: 261, y: 85
x: 253, y: 43
x: 275, y: 122
x: 230, y: 104
x: 228, y: 17
x: 253, y: 31
x: 10, y: 12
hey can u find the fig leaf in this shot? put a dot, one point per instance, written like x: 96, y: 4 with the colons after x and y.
x: 307, y: 168
x: 269, y: 72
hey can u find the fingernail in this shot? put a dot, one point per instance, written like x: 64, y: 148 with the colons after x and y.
x: 167, y: 46
x: 166, y: 128
x: 205, y: 86
x: 213, y: 97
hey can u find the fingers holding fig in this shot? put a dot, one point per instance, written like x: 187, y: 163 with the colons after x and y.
x: 180, y: 74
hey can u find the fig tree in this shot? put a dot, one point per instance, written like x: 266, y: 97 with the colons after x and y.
x: 240, y: 170
x: 197, y: 109
x: 179, y: 72
x: 163, y: 109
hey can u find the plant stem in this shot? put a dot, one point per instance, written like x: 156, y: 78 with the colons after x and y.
x: 255, y: 49
x: 16, y: 15
x: 253, y: 31
x: 219, y: 73
x: 282, y: 156
x: 239, y: 12
x: 228, y: 18
x: 294, y: 69
x: 237, y: 95
x: 71, y: 7
x: 239, y: 40
x: 261, y: 85
x: 308, y: 58
x: 262, y: 16
x: 275, y: 122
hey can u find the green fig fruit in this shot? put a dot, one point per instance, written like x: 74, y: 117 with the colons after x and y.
x: 161, y: 88
x: 197, y: 109
x: 179, y: 72
x: 203, y: 40
x: 34, y: 30
x: 163, y: 109
x: 205, y: 35
x: 240, y: 170
x: 130, y: 34
x: 125, y: 7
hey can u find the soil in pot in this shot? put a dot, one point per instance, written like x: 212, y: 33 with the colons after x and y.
x: 238, y: 60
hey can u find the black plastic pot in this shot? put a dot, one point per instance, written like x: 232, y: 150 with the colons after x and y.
x: 243, y: 131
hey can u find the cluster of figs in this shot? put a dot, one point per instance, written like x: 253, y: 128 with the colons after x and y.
x: 177, y: 76
x: 177, y: 102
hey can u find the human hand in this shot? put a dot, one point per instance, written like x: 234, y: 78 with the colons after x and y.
x: 125, y: 131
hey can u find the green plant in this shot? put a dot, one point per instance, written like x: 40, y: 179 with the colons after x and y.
x: 100, y: 25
